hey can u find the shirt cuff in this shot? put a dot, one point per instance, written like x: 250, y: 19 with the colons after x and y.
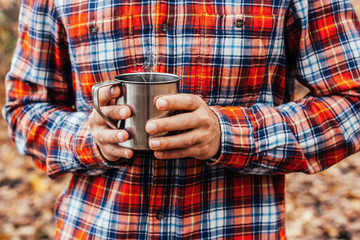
x: 89, y: 154
x: 220, y: 157
x: 237, y: 137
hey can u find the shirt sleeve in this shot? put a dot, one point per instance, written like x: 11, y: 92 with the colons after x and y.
x: 311, y: 134
x: 40, y: 108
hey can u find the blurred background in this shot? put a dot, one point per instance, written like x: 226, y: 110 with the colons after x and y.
x: 321, y: 206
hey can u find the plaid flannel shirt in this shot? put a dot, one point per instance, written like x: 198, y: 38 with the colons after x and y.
x: 243, y: 58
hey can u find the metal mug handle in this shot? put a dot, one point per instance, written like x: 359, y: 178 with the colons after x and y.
x: 95, y: 94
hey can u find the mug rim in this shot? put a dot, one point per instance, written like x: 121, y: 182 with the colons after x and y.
x: 176, y: 78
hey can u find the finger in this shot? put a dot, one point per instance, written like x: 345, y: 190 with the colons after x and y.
x: 177, y: 153
x: 187, y: 102
x: 108, y: 94
x: 176, y: 122
x: 113, y: 152
x: 116, y: 112
x: 163, y: 95
x: 182, y: 140
x: 109, y: 136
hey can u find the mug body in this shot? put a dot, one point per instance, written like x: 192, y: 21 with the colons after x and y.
x: 138, y: 92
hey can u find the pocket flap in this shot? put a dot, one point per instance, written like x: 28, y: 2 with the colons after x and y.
x: 116, y: 26
x: 240, y: 24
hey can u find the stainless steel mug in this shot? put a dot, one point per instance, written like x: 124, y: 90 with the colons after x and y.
x: 138, y: 91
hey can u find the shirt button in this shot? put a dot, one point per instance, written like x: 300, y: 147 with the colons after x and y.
x: 239, y: 23
x: 160, y: 215
x: 164, y: 27
x: 94, y: 29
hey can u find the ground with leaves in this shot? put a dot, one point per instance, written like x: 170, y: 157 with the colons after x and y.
x: 322, y: 206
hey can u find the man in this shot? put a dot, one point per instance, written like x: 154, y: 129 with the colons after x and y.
x: 240, y: 131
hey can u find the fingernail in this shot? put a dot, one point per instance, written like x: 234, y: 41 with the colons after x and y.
x: 120, y: 137
x: 123, y: 113
x: 161, y: 103
x: 151, y: 127
x: 112, y: 90
x: 155, y: 144
x: 159, y: 154
x: 126, y: 153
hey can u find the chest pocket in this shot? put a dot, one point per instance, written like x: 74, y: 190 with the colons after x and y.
x: 100, y: 50
x: 234, y: 53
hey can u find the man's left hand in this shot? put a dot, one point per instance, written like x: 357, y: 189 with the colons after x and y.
x: 198, y: 126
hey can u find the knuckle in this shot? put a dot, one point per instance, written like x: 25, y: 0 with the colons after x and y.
x: 196, y: 153
x: 104, y: 98
x: 94, y: 118
x: 190, y: 121
x: 100, y: 137
x: 187, y: 142
x: 115, y: 152
x: 207, y: 135
x: 198, y: 99
x: 106, y: 151
x: 105, y: 92
x: 182, y: 153
x: 203, y: 119
x: 192, y: 100
x: 203, y: 149
x: 200, y: 151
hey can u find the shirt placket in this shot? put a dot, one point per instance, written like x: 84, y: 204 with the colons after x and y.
x: 156, y: 211
x: 161, y: 27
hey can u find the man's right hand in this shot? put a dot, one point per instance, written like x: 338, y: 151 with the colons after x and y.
x: 105, y: 137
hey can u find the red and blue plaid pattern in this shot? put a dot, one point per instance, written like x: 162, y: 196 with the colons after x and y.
x: 242, y: 57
